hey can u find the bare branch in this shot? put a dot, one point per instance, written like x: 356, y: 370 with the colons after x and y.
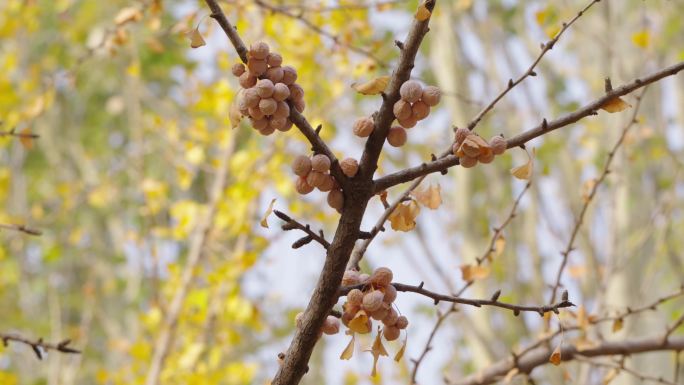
x: 447, y: 160
x: 38, y: 346
x: 428, y: 344
x: 620, y: 367
x: 21, y: 228
x: 540, y: 357
x: 292, y: 224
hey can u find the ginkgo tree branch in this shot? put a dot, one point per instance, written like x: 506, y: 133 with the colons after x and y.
x: 21, y: 228
x: 38, y: 345
x: 447, y: 159
x: 540, y: 357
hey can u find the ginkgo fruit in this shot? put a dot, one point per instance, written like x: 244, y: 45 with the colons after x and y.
x: 351, y: 277
x: 396, y: 136
x: 372, y: 300
x: 355, y: 296
x: 336, y: 199
x: 420, y: 110
x: 411, y: 91
x: 349, y: 166
x: 296, y: 91
x: 431, y: 95
x: 498, y: 144
x: 238, y: 69
x: 467, y: 161
x: 320, y: 162
x: 268, y: 130
x: 275, y: 74
x: 402, y: 109
x: 259, y: 123
x: 390, y: 294
x: 461, y: 134
x: 281, y: 92
x: 255, y: 113
x: 282, y: 109
x: 301, y: 165
x: 331, y: 325
x: 363, y: 127
x: 251, y: 98
x: 315, y: 178
x: 268, y: 106
x: 382, y: 277
x: 265, y: 88
x: 402, y: 322
x: 381, y: 312
x: 259, y: 50
x: 274, y: 59
x: 302, y: 186
x: 257, y: 67
x: 277, y: 123
x: 410, y: 122
x: 289, y: 75
x: 299, y: 105
x: 391, y: 333
x: 328, y: 184
x: 391, y: 318
x: 247, y: 80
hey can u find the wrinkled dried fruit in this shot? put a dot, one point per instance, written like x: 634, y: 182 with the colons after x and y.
x: 268, y: 130
x: 381, y: 312
x: 277, y: 123
x: 461, y: 134
x: 282, y: 110
x: 411, y: 91
x: 391, y: 318
x: 255, y: 112
x: 402, y: 109
x: 431, y: 95
x: 302, y: 186
x: 247, y: 80
x: 251, y: 98
x: 498, y: 144
x: 391, y: 333
x: 470, y: 147
x: 320, y: 162
x: 402, y: 322
x: 301, y: 165
x: 259, y: 50
x: 280, y: 92
x: 355, y: 297
x: 467, y: 161
x: 274, y: 59
x: 396, y: 136
x: 299, y: 105
x: 420, y: 110
x: 331, y: 325
x: 315, y: 178
x: 350, y: 278
x: 408, y: 123
x: 268, y: 106
x: 363, y: 127
x: 328, y: 185
x: 257, y: 67
x: 382, y: 276
x: 346, y: 317
x: 275, y: 74
x: 485, y: 158
x: 296, y: 91
x: 238, y: 69
x: 259, y: 124
x: 336, y: 199
x: 390, y: 294
x: 372, y: 301
x: 264, y: 88
x: 349, y: 166
x: 289, y: 75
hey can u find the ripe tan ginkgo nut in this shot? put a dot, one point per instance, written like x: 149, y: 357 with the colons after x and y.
x: 420, y: 110
x: 396, y: 136
x: 302, y: 186
x: 328, y: 184
x: 255, y: 113
x: 259, y: 123
x: 382, y: 276
x: 264, y: 88
x: 485, y: 158
x: 349, y: 166
x: 391, y: 333
x: 251, y: 97
x: 274, y: 74
x: 301, y: 165
x: 289, y: 75
x: 320, y: 162
x: 238, y: 69
x: 257, y: 67
x: 315, y: 178
x: 355, y: 297
x: 411, y: 91
x: 282, y: 110
x: 268, y: 130
x: 391, y: 318
x: 336, y: 199
x: 408, y: 123
x: 299, y: 105
x: 498, y: 144
x: 381, y: 312
x: 461, y: 134
x: 351, y: 277
x: 372, y: 301
x: 390, y: 294
x: 280, y: 92
x: 363, y: 127
x: 247, y: 80
x: 277, y: 123
x: 431, y: 95
x: 259, y: 50
x: 296, y: 91
x: 331, y: 325
x: 268, y: 106
x: 467, y: 161
x: 274, y: 59
x: 402, y: 322
x: 288, y: 125
x: 402, y: 109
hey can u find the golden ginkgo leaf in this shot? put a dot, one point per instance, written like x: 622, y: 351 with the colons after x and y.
x: 360, y: 323
x: 403, y: 218
x: 615, y: 105
x: 373, y: 86
x: 348, y: 352
x: 618, y: 324
x: 473, y: 272
x: 400, y: 353
x: 377, y: 350
x: 196, y: 39
x: 429, y: 197
x: 269, y: 210
x: 524, y: 172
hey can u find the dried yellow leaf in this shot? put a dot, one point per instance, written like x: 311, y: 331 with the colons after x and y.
x: 127, y: 15
x: 499, y: 245
x: 348, y: 352
x: 359, y: 324
x: 403, y: 218
x: 269, y: 210
x: 473, y: 272
x: 422, y: 13
x: 618, y: 324
x: 377, y: 350
x: 400, y: 353
x: 525, y: 171
x: 615, y: 105
x: 234, y: 114
x: 196, y: 39
x: 372, y: 87
x: 430, y: 197
x: 556, y: 356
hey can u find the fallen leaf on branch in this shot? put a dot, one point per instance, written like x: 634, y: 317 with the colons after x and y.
x: 430, y: 197
x: 615, y: 105
x: 269, y: 210
x: 372, y: 87
x: 473, y: 272
x: 196, y: 39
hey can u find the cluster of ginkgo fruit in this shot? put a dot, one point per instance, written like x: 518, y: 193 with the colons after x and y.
x: 267, y: 88
x: 472, y: 148
x: 314, y: 172
x: 413, y: 106
x: 372, y: 302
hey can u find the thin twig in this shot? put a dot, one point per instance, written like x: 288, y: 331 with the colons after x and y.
x: 38, y: 346
x: 428, y: 344
x: 292, y: 224
x: 21, y: 228
x: 590, y: 197
x: 26, y: 135
x: 620, y: 367
x: 679, y: 322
